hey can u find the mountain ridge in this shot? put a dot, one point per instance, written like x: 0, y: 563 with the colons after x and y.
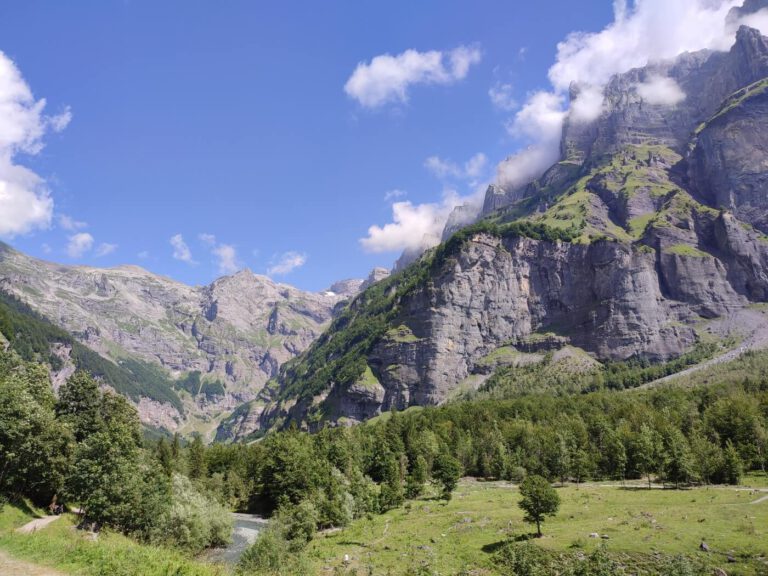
x: 619, y: 249
x: 232, y: 333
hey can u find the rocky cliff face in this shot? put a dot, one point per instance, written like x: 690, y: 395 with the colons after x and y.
x: 236, y: 331
x: 652, y: 221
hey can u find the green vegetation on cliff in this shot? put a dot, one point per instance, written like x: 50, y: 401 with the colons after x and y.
x: 33, y: 338
x: 340, y: 354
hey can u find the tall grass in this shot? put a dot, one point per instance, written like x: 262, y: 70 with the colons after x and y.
x: 61, y: 546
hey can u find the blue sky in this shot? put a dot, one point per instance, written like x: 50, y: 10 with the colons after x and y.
x: 227, y: 123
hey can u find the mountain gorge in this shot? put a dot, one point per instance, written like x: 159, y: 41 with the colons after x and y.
x: 651, y: 224
x: 207, y: 348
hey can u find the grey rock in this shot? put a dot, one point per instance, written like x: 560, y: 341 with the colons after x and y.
x: 375, y: 275
x: 699, y: 189
x: 239, y: 329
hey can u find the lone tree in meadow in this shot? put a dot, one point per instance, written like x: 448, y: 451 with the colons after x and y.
x: 539, y: 500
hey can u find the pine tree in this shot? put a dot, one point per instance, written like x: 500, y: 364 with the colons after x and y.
x: 196, y: 466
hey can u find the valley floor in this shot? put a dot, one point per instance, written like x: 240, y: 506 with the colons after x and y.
x: 633, y: 523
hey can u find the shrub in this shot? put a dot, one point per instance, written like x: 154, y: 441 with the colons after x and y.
x: 524, y: 560
x: 194, y: 520
x: 271, y: 555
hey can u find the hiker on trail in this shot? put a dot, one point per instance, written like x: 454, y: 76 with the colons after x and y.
x: 53, y: 506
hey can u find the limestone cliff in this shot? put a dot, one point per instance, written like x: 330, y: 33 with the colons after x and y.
x: 652, y: 221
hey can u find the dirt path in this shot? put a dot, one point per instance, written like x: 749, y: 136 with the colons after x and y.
x: 763, y: 499
x: 36, y: 525
x: 12, y: 567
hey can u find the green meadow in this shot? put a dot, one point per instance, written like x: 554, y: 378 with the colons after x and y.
x: 636, y: 525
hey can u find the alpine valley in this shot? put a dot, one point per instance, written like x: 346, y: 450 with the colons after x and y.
x: 185, y: 356
x: 643, y: 241
x: 650, y: 226
x: 564, y: 372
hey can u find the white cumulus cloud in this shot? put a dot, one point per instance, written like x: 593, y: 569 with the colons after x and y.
x: 286, y: 263
x: 387, y: 79
x: 25, y: 201
x: 470, y: 170
x: 226, y: 258
x: 415, y: 227
x: 181, y: 250
x: 225, y: 255
x: 661, y: 91
x: 207, y: 239
x: 642, y: 32
x: 79, y: 244
x: 104, y: 249
x: 70, y: 224
x: 502, y: 96
x: 539, y: 121
x: 394, y: 194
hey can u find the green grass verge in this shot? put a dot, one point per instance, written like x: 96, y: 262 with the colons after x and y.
x: 62, y: 547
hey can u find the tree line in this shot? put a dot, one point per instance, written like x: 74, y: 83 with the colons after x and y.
x: 86, y: 449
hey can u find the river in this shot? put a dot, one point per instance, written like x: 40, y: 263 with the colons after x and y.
x: 244, y: 532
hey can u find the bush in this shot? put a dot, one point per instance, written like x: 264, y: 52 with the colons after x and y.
x: 524, y: 560
x: 271, y: 555
x: 194, y: 520
x: 297, y: 522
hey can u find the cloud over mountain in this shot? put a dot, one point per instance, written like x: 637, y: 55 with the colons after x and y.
x: 641, y: 32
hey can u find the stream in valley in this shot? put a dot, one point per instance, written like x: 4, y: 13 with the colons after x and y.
x: 246, y: 529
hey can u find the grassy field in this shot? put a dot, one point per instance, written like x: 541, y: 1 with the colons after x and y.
x: 431, y: 537
x: 62, y: 547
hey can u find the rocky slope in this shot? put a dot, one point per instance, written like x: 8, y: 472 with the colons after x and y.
x: 231, y: 335
x: 653, y: 221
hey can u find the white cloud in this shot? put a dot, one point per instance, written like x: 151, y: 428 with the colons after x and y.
x: 104, y: 249
x: 287, y: 262
x: 225, y: 255
x: 46, y: 248
x: 226, y: 258
x: 143, y: 255
x: 650, y: 30
x: 502, y: 97
x: 79, y: 244
x: 415, y: 227
x: 474, y: 167
x: 540, y: 121
x: 645, y: 32
x: 207, y: 239
x: 387, y: 79
x: 70, y: 224
x: 661, y: 91
x: 60, y: 121
x: 25, y: 201
x: 757, y: 20
x: 394, y: 194
x: 526, y: 165
x: 587, y: 104
x: 180, y: 249
x: 471, y: 169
